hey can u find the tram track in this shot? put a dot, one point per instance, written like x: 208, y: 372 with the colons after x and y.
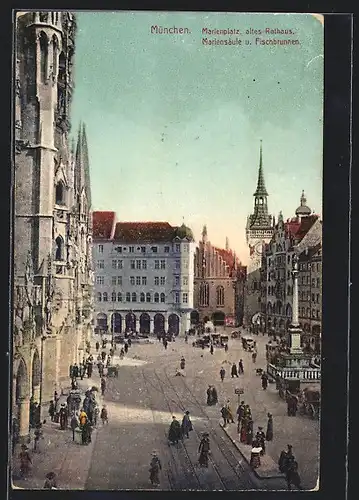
x: 189, y: 475
x: 243, y: 475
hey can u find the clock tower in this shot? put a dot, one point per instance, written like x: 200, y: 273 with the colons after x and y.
x: 259, y: 230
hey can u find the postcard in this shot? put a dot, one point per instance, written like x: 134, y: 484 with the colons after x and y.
x: 167, y: 307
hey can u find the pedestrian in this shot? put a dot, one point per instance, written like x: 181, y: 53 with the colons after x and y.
x: 269, y: 433
x: 74, y: 423
x: 155, y: 467
x: 212, y: 397
x: 165, y: 343
x: 126, y: 347
x: 50, y: 481
x: 230, y: 413
x: 186, y: 425
x: 103, y: 356
x: 260, y: 438
x: 96, y: 413
x: 225, y: 416
x: 292, y: 406
x: 83, y: 417
x: 254, y: 356
x: 100, y: 369
x: 174, y: 433
x: 97, y: 346
x: 240, y: 415
x: 25, y: 461
x: 52, y: 411
x: 222, y: 373
x: 226, y: 348
x: 37, y: 436
x: 63, y: 417
x: 186, y: 338
x: 103, y: 386
x: 89, y: 369
x: 234, y: 372
x: 75, y: 371
x: 104, y: 415
x: 204, y: 450
x: 122, y: 353
x: 291, y: 473
x: 264, y: 381
x: 240, y: 367
x: 249, y: 429
x: 211, y: 349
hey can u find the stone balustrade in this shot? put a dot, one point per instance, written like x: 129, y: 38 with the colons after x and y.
x: 300, y: 373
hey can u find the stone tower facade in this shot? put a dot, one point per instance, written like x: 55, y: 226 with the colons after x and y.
x: 259, y: 230
x: 52, y: 240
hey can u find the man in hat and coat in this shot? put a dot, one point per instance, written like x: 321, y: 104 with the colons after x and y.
x: 264, y: 381
x: 222, y: 373
x: 174, y: 433
x: 25, y: 461
x: 63, y: 417
x: 234, y: 372
x: 186, y: 425
x: 155, y: 467
x: 240, y: 367
x: 260, y: 437
x: 204, y: 450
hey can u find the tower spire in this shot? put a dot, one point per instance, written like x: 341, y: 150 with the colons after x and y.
x: 227, y: 244
x: 204, y: 234
x: 261, y: 188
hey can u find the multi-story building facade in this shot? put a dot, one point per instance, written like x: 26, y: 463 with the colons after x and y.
x: 143, y: 276
x: 310, y: 296
x: 219, y: 281
x: 289, y: 238
x: 52, y: 303
x: 259, y: 230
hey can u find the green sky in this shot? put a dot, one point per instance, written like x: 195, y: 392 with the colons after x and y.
x: 211, y: 105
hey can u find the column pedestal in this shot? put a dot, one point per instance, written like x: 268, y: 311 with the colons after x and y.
x: 123, y: 324
x: 166, y: 325
x: 152, y: 325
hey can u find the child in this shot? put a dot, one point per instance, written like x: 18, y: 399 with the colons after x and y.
x: 104, y: 415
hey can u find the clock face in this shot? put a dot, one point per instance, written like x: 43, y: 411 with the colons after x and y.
x: 258, y: 248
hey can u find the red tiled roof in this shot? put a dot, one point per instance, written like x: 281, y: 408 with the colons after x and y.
x: 228, y: 257
x: 305, y: 225
x: 102, y: 225
x: 150, y: 232
x: 292, y: 226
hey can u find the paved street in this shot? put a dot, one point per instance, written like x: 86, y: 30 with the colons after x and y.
x: 141, y: 403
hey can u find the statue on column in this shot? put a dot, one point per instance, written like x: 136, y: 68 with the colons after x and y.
x: 28, y: 304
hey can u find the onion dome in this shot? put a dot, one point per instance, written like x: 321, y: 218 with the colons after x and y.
x: 303, y: 210
x: 184, y: 232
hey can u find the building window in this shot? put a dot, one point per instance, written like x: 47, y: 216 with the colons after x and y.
x: 113, y: 296
x: 138, y: 264
x: 317, y: 298
x: 318, y: 282
x: 100, y: 264
x: 132, y: 264
x: 156, y: 297
x: 163, y: 280
x: 143, y: 249
x: 178, y: 264
x: 220, y: 296
x: 59, y: 249
x: 138, y: 280
x: 308, y: 312
x: 100, y: 249
x: 157, y: 280
x: 167, y: 249
x: 60, y: 194
x: 178, y: 247
x: 114, y: 264
x: 100, y: 280
x: 163, y: 264
x: 186, y: 247
x: 177, y: 280
x: 163, y: 298
x: 157, y: 264
x: 131, y: 249
x: 144, y: 280
x: 204, y: 294
x: 288, y: 259
x: 142, y: 297
x: 177, y: 298
x: 185, y: 298
x: 148, y: 297
x: 185, y: 263
x: 118, y: 249
x: 132, y: 280
x: 134, y: 297
x: 99, y: 297
x: 128, y: 297
x: 318, y: 267
x: 119, y: 297
x: 185, y: 280
x: 318, y: 315
x: 144, y: 264
x: 114, y: 280
x: 313, y: 297
x: 313, y: 282
x: 119, y: 280
x: 154, y: 249
x: 105, y: 296
x: 117, y: 264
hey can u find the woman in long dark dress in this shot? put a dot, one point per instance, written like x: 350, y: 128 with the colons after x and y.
x: 269, y: 433
x: 174, y: 433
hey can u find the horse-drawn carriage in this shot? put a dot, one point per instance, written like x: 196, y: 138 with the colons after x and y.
x: 204, y: 341
x: 289, y: 388
x: 309, y: 403
x: 248, y: 343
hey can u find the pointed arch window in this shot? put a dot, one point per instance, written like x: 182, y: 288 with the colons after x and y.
x: 44, y: 55
x: 142, y: 297
x: 148, y: 297
x: 134, y: 297
x: 105, y: 296
x: 59, y: 248
x: 60, y: 193
x: 99, y: 297
x: 163, y: 298
x: 156, y: 297
x: 113, y: 296
x: 220, y: 296
x: 128, y: 297
x: 204, y: 294
x: 119, y: 297
x: 54, y: 55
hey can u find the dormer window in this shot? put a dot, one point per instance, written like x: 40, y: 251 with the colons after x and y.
x: 59, y: 249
